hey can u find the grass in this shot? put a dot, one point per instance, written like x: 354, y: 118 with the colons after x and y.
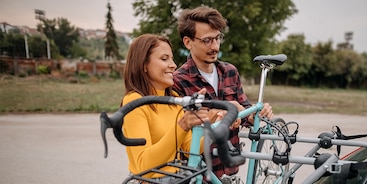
x: 51, y: 95
x: 293, y: 100
x: 94, y: 95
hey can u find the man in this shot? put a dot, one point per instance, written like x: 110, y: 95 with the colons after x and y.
x: 201, y: 32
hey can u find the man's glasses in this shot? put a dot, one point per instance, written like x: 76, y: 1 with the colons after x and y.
x: 208, y: 41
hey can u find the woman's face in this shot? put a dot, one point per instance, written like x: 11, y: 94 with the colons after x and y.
x: 161, y: 66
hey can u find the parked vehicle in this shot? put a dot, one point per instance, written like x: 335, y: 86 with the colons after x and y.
x: 356, y: 175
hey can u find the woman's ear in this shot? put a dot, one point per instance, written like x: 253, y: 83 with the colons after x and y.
x: 145, y: 68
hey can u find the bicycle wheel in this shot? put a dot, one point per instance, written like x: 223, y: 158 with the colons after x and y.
x: 266, y: 171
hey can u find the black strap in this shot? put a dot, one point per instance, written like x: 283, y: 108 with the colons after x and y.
x: 359, y: 166
x: 349, y: 171
x: 339, y: 135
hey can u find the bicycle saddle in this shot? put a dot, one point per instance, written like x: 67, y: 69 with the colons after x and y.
x: 278, y: 59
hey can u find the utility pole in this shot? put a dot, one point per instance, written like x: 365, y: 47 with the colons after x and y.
x: 348, y: 36
x: 48, y: 49
x: 26, y: 45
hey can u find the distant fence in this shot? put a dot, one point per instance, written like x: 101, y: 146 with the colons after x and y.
x: 26, y: 67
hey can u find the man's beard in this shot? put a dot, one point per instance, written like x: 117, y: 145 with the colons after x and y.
x: 213, y: 52
x: 210, y: 62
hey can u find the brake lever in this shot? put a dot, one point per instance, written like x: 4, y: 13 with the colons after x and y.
x: 208, y: 140
x: 191, y: 105
x: 104, y: 126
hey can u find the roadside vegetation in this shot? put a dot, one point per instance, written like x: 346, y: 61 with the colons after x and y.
x: 92, y: 95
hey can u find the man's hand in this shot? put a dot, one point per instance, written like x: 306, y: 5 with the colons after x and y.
x: 266, y: 111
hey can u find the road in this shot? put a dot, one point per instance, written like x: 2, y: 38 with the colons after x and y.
x: 67, y: 148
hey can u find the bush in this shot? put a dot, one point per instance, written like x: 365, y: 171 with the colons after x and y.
x: 114, y: 74
x: 41, y: 69
x: 83, y: 74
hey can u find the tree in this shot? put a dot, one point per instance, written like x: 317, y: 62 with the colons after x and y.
x: 348, y: 69
x: 37, y: 47
x: 299, y: 60
x: 62, y: 33
x: 323, y: 62
x: 111, y: 46
x: 12, y: 44
x: 252, y: 26
x: 65, y: 37
x: 341, y: 68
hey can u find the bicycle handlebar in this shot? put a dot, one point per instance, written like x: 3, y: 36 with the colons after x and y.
x: 221, y: 132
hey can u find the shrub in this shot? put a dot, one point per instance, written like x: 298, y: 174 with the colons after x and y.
x: 41, y: 69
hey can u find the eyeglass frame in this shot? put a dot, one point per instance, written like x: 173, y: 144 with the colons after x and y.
x: 208, y: 41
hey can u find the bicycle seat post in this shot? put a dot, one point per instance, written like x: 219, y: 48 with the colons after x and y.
x: 265, y: 67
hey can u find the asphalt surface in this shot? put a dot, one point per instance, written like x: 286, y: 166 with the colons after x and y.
x: 67, y: 148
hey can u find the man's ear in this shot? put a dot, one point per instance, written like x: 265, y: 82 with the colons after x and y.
x: 187, y: 42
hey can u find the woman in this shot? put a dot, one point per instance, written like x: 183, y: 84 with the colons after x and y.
x: 149, y: 71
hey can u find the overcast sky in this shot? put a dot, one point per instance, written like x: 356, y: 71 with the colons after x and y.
x: 318, y: 20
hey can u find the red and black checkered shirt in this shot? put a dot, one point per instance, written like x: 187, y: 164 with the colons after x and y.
x: 188, y: 80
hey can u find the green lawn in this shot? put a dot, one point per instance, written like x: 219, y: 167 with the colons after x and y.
x: 292, y: 100
x: 43, y: 94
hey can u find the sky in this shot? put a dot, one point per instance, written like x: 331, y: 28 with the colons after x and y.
x: 317, y: 20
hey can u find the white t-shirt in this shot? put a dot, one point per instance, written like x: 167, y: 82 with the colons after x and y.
x: 212, y: 78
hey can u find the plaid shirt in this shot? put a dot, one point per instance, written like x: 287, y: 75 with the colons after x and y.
x: 188, y: 80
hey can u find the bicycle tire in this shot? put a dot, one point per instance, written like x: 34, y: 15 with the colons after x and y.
x: 266, y: 171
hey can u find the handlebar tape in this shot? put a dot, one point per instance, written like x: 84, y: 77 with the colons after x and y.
x: 116, y: 121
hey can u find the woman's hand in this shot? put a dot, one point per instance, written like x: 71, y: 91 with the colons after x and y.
x: 191, y: 119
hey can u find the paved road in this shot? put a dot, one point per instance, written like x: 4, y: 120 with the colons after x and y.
x: 67, y: 148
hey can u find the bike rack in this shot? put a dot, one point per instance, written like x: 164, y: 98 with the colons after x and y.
x: 185, y: 175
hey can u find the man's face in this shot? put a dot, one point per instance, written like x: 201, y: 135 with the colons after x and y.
x: 204, y: 47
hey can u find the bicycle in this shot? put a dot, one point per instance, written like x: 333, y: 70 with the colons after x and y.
x: 279, y: 132
x: 220, y: 131
x: 323, y: 163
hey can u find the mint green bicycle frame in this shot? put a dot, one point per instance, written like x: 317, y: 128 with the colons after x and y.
x: 197, y: 132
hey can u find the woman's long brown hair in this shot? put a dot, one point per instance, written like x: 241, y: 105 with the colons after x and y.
x: 136, y: 80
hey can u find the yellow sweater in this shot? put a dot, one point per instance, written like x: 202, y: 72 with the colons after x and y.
x: 158, y: 128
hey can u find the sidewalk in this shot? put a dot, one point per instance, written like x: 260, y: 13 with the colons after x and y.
x: 67, y: 148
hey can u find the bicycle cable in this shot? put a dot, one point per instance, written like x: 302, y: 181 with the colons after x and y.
x: 280, y: 157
